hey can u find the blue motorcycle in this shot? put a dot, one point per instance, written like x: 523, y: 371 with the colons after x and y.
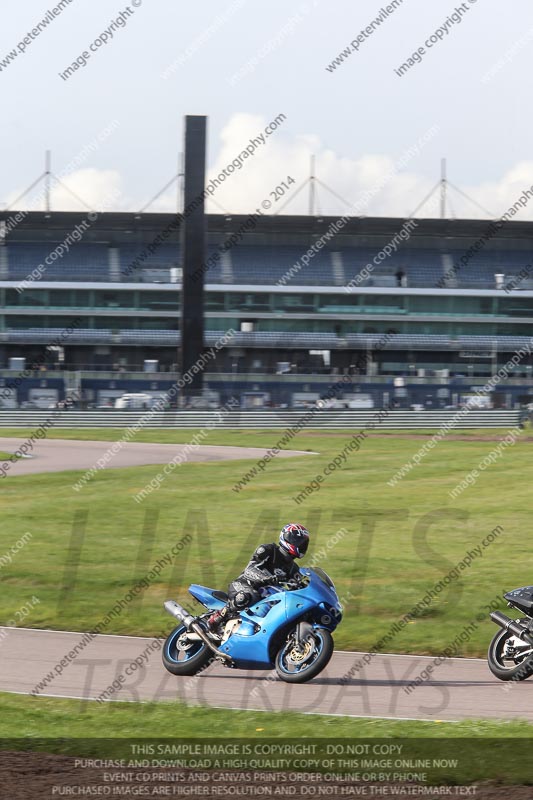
x: 289, y: 629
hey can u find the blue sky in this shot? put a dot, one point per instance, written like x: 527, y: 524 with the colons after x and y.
x: 242, y: 63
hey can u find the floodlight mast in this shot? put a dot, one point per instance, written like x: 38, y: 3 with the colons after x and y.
x: 193, y: 238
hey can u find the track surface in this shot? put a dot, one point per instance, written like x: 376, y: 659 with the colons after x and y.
x: 460, y: 688
x: 56, y: 455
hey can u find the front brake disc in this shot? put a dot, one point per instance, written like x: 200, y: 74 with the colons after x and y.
x: 298, y: 655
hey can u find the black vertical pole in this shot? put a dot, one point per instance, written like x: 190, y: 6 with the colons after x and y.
x: 194, y: 248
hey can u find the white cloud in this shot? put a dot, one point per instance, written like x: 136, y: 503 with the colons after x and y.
x: 99, y: 189
x: 402, y: 190
x: 394, y: 192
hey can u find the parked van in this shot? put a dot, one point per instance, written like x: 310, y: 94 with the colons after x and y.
x: 134, y: 401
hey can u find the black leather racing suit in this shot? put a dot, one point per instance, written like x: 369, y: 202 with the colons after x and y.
x: 268, y: 565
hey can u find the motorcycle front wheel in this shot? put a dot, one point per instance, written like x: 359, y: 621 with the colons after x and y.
x: 505, y: 663
x: 184, y: 656
x: 299, y: 663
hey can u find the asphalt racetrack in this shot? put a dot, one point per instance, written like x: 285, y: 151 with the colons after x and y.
x: 56, y: 455
x: 459, y: 688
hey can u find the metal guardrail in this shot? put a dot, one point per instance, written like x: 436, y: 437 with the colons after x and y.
x: 265, y: 418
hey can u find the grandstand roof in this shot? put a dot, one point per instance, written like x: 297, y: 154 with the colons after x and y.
x: 119, y: 225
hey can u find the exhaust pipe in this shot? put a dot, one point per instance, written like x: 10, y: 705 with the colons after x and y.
x: 512, y: 625
x: 175, y: 610
x: 179, y: 612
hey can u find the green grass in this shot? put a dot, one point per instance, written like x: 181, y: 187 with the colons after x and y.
x: 399, y: 543
x: 4, y: 456
x: 486, y: 750
x: 43, y: 717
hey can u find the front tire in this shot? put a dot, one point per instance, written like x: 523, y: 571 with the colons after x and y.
x: 504, y: 666
x: 298, y: 665
x: 182, y: 657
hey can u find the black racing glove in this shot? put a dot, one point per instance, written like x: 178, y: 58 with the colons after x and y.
x: 268, y: 580
x: 279, y: 575
x: 298, y: 580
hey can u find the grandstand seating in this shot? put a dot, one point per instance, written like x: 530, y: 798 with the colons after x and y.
x: 82, y: 262
x: 272, y: 339
x: 267, y: 265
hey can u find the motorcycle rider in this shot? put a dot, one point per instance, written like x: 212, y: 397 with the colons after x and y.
x: 271, y: 564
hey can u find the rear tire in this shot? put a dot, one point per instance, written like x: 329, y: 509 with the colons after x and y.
x: 184, y: 658
x: 293, y: 666
x: 507, y: 669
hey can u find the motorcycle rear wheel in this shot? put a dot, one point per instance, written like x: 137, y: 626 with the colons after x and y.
x: 181, y: 658
x: 507, y: 669
x: 295, y: 665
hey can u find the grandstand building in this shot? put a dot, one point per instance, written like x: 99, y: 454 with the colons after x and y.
x: 415, y: 311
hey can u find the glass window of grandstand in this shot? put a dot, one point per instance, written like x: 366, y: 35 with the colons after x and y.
x: 512, y: 330
x: 159, y: 301
x: 13, y: 298
x: 60, y: 298
x: 60, y: 322
x: 115, y: 323
x: 338, y: 303
x: 382, y: 304
x: 296, y: 303
x: 26, y: 322
x: 247, y: 301
x: 516, y: 306
x: 223, y: 323
x: 472, y: 305
x: 159, y: 324
x: 433, y: 304
x: 214, y: 301
x: 31, y: 297
x: 442, y: 304
x: 110, y: 299
x: 82, y: 298
x: 294, y: 325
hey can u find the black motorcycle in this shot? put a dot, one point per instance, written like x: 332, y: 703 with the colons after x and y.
x: 510, y: 653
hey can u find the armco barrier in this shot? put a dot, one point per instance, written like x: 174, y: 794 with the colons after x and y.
x: 264, y: 418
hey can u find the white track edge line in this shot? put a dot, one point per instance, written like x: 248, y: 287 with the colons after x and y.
x: 231, y: 708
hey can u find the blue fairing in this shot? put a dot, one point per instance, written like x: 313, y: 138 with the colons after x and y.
x: 206, y: 596
x: 250, y: 645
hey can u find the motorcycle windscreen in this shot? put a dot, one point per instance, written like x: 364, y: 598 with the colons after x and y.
x: 210, y: 598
